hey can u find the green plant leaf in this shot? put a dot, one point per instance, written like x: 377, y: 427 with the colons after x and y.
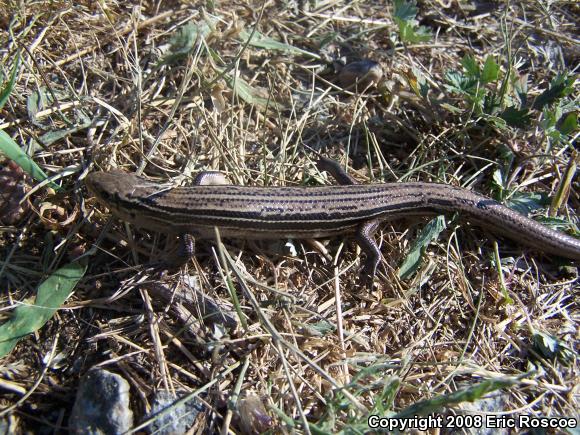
x: 385, y: 402
x: 6, y: 89
x: 36, y: 101
x: 477, y: 98
x: 525, y: 203
x: 560, y: 224
x: 185, y: 39
x: 490, y: 71
x: 471, y: 67
x: 11, y: 150
x: 490, y: 103
x: 320, y: 328
x: 404, y: 15
x: 497, y: 121
x: 516, y: 117
x: 410, y: 33
x: 506, y: 155
x: 552, y: 348
x: 506, y: 159
x: 569, y: 123
x: 417, y: 82
x: 450, y: 108
x: 50, y: 295
x: 405, y: 10
x: 499, y: 177
x: 429, y: 233
x: 51, y: 137
x: 561, y: 86
x: 549, y: 119
x: 459, y: 83
x: 326, y: 39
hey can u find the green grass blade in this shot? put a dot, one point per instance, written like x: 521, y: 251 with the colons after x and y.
x: 11, y: 150
x: 7, y: 90
x: 262, y: 41
x: 470, y: 394
x: 50, y: 296
x: 51, y: 137
x: 249, y: 94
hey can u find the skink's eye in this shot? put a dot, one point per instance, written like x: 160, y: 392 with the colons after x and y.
x: 108, y: 196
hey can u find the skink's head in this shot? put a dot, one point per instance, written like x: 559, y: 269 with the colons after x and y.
x: 120, y: 192
x: 128, y: 197
x: 112, y: 187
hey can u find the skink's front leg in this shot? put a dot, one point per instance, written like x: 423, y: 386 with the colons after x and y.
x: 186, y: 248
x: 365, y: 232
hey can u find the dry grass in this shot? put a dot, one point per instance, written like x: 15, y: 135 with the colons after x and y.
x: 308, y: 326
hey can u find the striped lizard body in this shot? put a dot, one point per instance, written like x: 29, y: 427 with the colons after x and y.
x: 310, y: 212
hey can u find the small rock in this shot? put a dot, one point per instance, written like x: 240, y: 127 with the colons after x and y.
x: 252, y: 415
x: 101, y: 405
x: 172, y: 418
x: 492, y: 405
x: 361, y: 74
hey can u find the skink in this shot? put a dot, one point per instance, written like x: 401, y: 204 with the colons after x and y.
x: 310, y: 212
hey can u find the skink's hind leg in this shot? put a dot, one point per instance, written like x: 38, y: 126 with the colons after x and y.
x: 334, y: 169
x: 365, y: 233
x: 365, y: 239
x: 179, y: 256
